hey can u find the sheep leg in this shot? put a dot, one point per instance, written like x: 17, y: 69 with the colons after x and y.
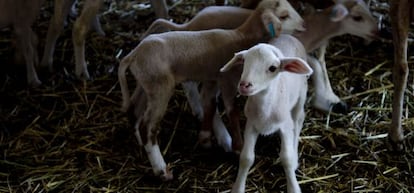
x: 157, y: 103
x: 400, y: 24
x: 160, y: 8
x: 289, y: 155
x: 80, y: 30
x: 338, y: 106
x: 232, y: 111
x: 208, y: 96
x: 193, y: 97
x: 246, y: 158
x: 209, y: 101
x: 25, y: 35
x: 61, y: 11
x: 137, y: 108
x: 220, y: 131
x: 324, y: 98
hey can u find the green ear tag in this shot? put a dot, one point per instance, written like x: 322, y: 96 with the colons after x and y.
x: 271, y: 30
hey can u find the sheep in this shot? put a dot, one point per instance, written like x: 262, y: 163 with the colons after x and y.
x: 87, y: 19
x: 352, y: 18
x: 345, y: 17
x: 274, y: 78
x: 401, y: 14
x: 20, y: 15
x: 161, y: 61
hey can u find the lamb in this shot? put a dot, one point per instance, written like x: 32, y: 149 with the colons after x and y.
x: 161, y: 61
x: 346, y: 17
x: 274, y: 78
x: 353, y: 18
x: 20, y: 15
x: 401, y: 13
x: 87, y: 19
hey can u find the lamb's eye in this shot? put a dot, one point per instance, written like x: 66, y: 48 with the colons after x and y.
x: 284, y: 17
x: 357, y: 18
x: 272, y: 68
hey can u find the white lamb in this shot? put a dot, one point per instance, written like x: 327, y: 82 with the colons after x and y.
x: 275, y: 80
x: 161, y: 61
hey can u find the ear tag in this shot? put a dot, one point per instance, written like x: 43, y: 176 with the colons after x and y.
x: 271, y: 30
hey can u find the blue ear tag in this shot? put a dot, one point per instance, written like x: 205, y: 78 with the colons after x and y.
x: 271, y: 30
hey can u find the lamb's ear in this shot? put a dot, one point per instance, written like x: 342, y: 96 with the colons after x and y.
x: 295, y: 65
x: 338, y: 12
x: 237, y: 59
x: 272, y: 23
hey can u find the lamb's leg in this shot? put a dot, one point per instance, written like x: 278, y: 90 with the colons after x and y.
x: 160, y: 8
x: 220, y: 131
x: 148, y: 129
x: 232, y: 111
x: 137, y: 107
x: 337, y: 106
x: 193, y: 97
x: 289, y: 156
x: 324, y: 98
x: 400, y: 23
x: 24, y: 36
x: 208, y: 97
x: 61, y: 11
x: 246, y: 158
x: 80, y: 30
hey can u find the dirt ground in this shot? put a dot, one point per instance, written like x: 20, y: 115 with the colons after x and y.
x: 70, y: 135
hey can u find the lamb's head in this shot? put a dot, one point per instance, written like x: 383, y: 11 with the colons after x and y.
x: 261, y: 64
x: 279, y: 16
x: 355, y: 18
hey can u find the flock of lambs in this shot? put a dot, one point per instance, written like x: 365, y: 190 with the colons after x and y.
x: 262, y: 50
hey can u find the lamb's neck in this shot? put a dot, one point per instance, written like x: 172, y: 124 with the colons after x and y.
x: 253, y: 29
x: 319, y: 29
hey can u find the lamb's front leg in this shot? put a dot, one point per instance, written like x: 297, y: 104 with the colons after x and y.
x: 60, y: 13
x: 80, y: 30
x: 289, y: 155
x: 325, y: 99
x: 193, y: 98
x: 25, y: 35
x: 209, y: 99
x: 232, y: 111
x: 246, y: 158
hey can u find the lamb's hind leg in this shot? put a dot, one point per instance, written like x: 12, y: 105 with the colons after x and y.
x: 157, y: 103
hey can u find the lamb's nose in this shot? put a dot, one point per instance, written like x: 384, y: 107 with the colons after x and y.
x: 244, y: 84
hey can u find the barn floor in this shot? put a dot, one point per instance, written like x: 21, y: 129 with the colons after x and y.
x: 70, y: 136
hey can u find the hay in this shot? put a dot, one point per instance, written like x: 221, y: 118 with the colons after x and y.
x: 69, y: 136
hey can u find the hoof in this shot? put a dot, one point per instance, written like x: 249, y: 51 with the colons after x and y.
x: 204, y: 138
x: 34, y: 83
x: 167, y: 176
x: 83, y: 75
x: 237, y: 148
x: 396, y: 146
x: 340, y: 107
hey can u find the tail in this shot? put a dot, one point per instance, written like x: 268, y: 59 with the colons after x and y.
x: 162, y: 25
x: 123, y: 66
